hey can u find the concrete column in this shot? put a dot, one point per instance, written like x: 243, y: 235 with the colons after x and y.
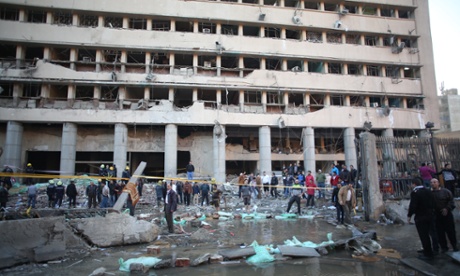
x: 308, y: 142
x: 324, y: 37
x: 344, y: 38
x: 284, y: 65
x: 49, y: 18
x: 125, y: 23
x: 262, y: 31
x: 404, y: 103
x: 350, y: 147
x: 303, y: 35
x: 321, y: 8
x: 71, y: 92
x: 121, y: 96
x: 219, y: 98
x: 170, y: 150
x: 281, y: 3
x: 264, y: 101
x: 13, y: 145
x: 149, y: 24
x: 241, y: 98
x: 195, y: 95
x: 219, y: 153
x: 98, y: 60
x: 283, y: 33
x: 326, y: 68
x: 327, y: 100
x: 75, y: 20
x: 22, y: 15
x: 120, y: 146
x: 241, y: 65
x: 173, y: 25
x: 195, y: 63
x: 171, y: 95
x: 20, y: 55
x: 302, y: 4
x: 240, y: 30
x: 305, y: 66
x: 306, y: 99
x: 148, y: 62
x: 218, y: 28
x: 347, y: 100
x: 172, y: 63
x: 123, y: 60
x: 100, y: 21
x: 263, y: 63
x: 146, y: 93
x: 97, y: 92
x: 265, y: 149
x: 46, y: 53
x: 286, y: 100
x: 18, y: 91
x: 345, y: 69
x: 389, y: 166
x: 73, y: 58
x: 195, y: 27
x: 68, y: 149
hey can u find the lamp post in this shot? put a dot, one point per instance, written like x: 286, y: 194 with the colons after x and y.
x: 429, y: 126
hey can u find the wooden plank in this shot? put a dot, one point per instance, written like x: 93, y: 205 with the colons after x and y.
x: 129, y: 189
x: 420, y: 266
x: 237, y: 253
x: 296, y: 251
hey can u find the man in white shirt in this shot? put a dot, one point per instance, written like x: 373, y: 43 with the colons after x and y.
x: 266, y: 182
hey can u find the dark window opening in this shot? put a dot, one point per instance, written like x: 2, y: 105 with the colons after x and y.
x: 159, y: 93
x: 353, y: 39
x: 335, y: 68
x: 88, y: 20
x: 251, y: 31
x: 229, y: 29
x: 109, y: 93
x: 207, y: 95
x: 137, y: 23
x: 369, y: 10
x: 207, y: 28
x: 58, y: 92
x: 295, y: 99
x: 32, y: 90
x: 331, y: 7
x: 160, y: 25
x: 387, y: 12
x: 337, y: 100
x: 184, y: 26
x: 270, y: 2
x: 388, y: 41
x: 415, y: 103
x: 411, y: 73
x: 250, y: 1
x: 314, y: 37
x: 62, y: 18
x: 370, y: 40
x: 404, y: 14
x: 44, y: 160
x: 316, y: 102
x: 312, y: 5
x: 395, y: 102
x: 293, y: 34
x: 84, y: 92
x: 9, y: 14
x: 274, y: 98
x: 134, y: 93
x: 7, y: 89
x: 295, y: 65
x: 354, y: 69
x: 86, y: 55
x: 273, y: 64
x: 351, y: 9
x: 60, y: 55
x: 230, y: 97
x: 392, y: 72
x: 183, y: 97
x: 252, y: 97
x: 315, y: 67
x: 272, y: 32
x: 183, y: 60
x: 375, y: 101
x: 229, y: 62
x: 7, y: 52
x: 36, y: 16
x: 33, y: 53
x: 334, y: 37
x: 135, y: 62
x: 291, y: 3
x: 373, y: 70
x: 114, y: 22
x: 251, y: 63
x: 357, y: 101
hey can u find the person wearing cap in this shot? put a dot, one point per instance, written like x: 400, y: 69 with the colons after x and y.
x: 51, y: 193
x: 71, y: 193
x: 320, y: 180
x: 29, y: 170
x: 126, y: 175
x: 60, y: 191
x: 102, y: 170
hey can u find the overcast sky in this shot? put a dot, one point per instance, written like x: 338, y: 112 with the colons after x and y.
x: 445, y: 31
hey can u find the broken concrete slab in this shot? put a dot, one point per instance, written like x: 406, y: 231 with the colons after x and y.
x: 215, y: 259
x: 230, y: 254
x: 116, y: 229
x: 166, y: 263
x: 295, y: 251
x: 420, y: 266
x: 201, y: 260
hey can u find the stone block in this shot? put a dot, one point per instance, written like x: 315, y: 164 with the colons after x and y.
x: 138, y: 267
x: 215, y: 259
x: 153, y: 250
x: 162, y: 244
x: 182, y: 262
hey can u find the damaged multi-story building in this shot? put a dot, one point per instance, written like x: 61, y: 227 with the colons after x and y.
x: 232, y: 85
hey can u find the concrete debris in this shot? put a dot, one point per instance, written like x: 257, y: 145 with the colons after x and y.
x: 294, y: 251
x: 201, y: 260
x: 98, y: 271
x: 231, y: 254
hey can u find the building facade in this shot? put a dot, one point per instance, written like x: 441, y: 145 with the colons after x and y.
x: 233, y: 86
x: 449, y: 110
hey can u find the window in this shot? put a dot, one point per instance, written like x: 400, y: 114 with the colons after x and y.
x: 354, y: 69
x: 272, y: 32
x: 88, y: 20
x: 370, y: 40
x: 353, y: 39
x: 114, y: 22
x: 36, y: 16
x: 335, y: 68
x: 62, y: 18
x: 315, y: 67
x: 9, y: 14
x: 138, y: 23
x: 314, y: 37
x: 334, y: 38
x: 373, y: 70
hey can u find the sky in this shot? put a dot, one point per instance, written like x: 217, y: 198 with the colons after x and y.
x: 445, y: 32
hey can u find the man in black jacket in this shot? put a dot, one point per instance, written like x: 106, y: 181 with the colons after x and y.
x: 335, y: 200
x: 190, y: 170
x: 422, y: 206
x: 71, y: 193
x: 170, y: 207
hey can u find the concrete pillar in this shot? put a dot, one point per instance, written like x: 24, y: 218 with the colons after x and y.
x: 284, y: 65
x: 146, y: 93
x: 18, y: 91
x: 241, y: 100
x: 195, y: 95
x: 265, y: 151
x: 240, y: 30
x: 68, y: 149
x: 308, y: 142
x: 120, y: 146
x: 283, y: 33
x: 100, y: 21
x: 170, y: 150
x: 73, y: 57
x: 149, y: 24
x: 262, y: 31
x: 218, y: 28
x: 195, y: 64
x: 219, y: 98
x: 171, y: 95
x: 172, y: 63
x: 97, y: 92
x: 373, y: 201
x: 13, y: 145
x: 350, y: 147
x: 389, y: 166
x: 123, y: 60
x: 264, y: 101
x: 20, y: 55
x: 263, y: 63
x: 347, y: 100
x: 219, y: 65
x: 98, y: 60
x: 148, y: 62
x: 195, y: 27
x: 71, y: 91
x: 173, y: 25
x: 219, y: 153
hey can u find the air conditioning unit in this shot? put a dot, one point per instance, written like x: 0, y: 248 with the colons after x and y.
x: 344, y: 11
x: 375, y: 104
x: 296, y: 20
x: 206, y: 30
x: 86, y: 59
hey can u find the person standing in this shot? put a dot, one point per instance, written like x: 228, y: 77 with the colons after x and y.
x: 180, y: 191
x: 266, y: 183
x: 3, y: 196
x: 170, y: 207
x: 71, y: 193
x: 450, y: 178
x: 29, y: 170
x: 334, y: 169
x: 321, y: 179
x: 215, y: 198
x: 31, y: 196
x: 353, y: 175
x: 334, y: 179
x: 259, y: 186
x: 246, y: 194
x: 105, y: 196
x: 196, y: 193
x: 445, y: 225
x: 345, y: 175
x: 204, y: 193
x: 241, y: 179
x: 335, y: 200
x: 126, y: 175
x: 347, y: 198
x: 187, y: 192
x: 309, y: 178
x: 91, y: 193
x: 159, y: 192
x: 60, y: 192
x: 7, y: 179
x: 274, y: 184
x: 426, y: 173
x: 311, y: 188
x: 51, y: 193
x: 422, y: 206
x: 140, y: 186
x: 296, y: 195
x: 190, y: 170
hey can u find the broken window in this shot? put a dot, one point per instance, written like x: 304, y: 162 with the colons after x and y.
x: 334, y: 68
x: 395, y: 102
x: 273, y: 64
x: 375, y: 101
x: 60, y: 56
x: 251, y: 31
x: 295, y: 65
x: 207, y: 65
x: 295, y: 99
x: 229, y: 29
x: 84, y: 92
x: 208, y: 97
x: 32, y: 90
x: 114, y: 22
x: 291, y: 3
x: 88, y: 20
x: 159, y: 93
x: 109, y: 93
x: 274, y: 98
x: 316, y: 102
x: 183, y: 60
x: 252, y: 97
x: 229, y: 66
x: 271, y: 2
x: 7, y: 55
x: 251, y: 63
x: 353, y: 39
x: 314, y: 37
x: 251, y: 1
x: 230, y: 97
x: 373, y: 70
x: 58, y: 92
x: 367, y: 10
x: 354, y: 69
x: 207, y: 28
x: 357, y: 101
x: 229, y: 1
x: 334, y: 37
x: 272, y: 32
x: 415, y: 103
x: 411, y: 73
x: 160, y: 25
x: 137, y: 23
x: 62, y: 18
x: 315, y: 67
x: 35, y: 16
x: 183, y: 97
x: 135, y: 62
x: 184, y: 26
x: 388, y: 41
x: 337, y: 100
x: 293, y: 34
x: 405, y: 13
x: 370, y: 40
x: 387, y: 12
x: 134, y: 93
x: 351, y: 9
x: 32, y: 55
x: 392, y: 72
x: 7, y: 89
x: 331, y: 7
x: 9, y: 14
x: 312, y: 5
x: 86, y: 60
